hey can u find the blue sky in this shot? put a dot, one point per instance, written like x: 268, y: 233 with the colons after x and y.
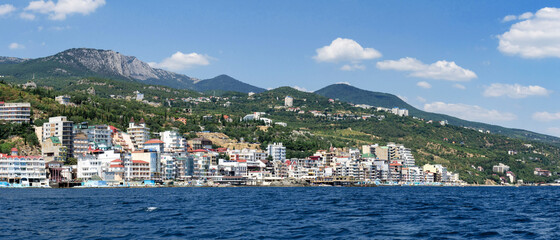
x: 489, y: 61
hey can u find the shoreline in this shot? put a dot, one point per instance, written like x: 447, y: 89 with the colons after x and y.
x: 277, y: 186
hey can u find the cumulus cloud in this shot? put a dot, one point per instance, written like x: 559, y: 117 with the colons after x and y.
x: 180, y: 61
x: 15, y: 46
x: 27, y: 16
x: 344, y: 49
x: 536, y: 36
x: 6, y: 9
x: 459, y: 86
x: 514, y: 91
x: 442, y: 70
x: 63, y: 8
x: 546, y: 116
x: 424, y: 84
x: 469, y: 112
x: 346, y: 83
x: 353, y: 67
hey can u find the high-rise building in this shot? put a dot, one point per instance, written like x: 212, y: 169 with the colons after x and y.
x: 139, y: 133
x: 289, y: 101
x: 277, y: 151
x: 15, y: 112
x: 63, y: 129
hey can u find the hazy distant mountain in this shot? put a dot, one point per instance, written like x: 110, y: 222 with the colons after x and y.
x: 351, y: 94
x: 11, y: 60
x: 226, y: 83
x: 86, y: 62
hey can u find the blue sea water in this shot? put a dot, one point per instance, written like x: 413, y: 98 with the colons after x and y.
x: 282, y: 213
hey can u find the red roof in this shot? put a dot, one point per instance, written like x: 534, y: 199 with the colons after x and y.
x: 9, y: 156
x: 242, y: 160
x: 13, y: 150
x: 117, y: 166
x: 114, y: 129
x: 139, y: 161
x: 200, y: 150
x: 116, y: 160
x: 151, y: 141
x: 395, y: 164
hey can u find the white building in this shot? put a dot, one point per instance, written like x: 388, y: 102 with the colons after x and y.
x: 96, y: 163
x: 173, y: 141
x: 139, y: 133
x: 139, y: 96
x: 277, y: 151
x: 63, y: 129
x: 289, y: 101
x: 399, y: 112
x: 25, y: 170
x: 15, y: 112
x: 63, y: 99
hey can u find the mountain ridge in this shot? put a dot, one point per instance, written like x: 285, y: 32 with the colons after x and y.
x: 351, y: 94
x: 89, y: 62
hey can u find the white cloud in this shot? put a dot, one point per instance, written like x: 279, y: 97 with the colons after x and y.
x: 424, y: 84
x: 59, y: 28
x: 6, y: 9
x: 459, y: 86
x: 546, y: 116
x: 403, y: 98
x: 509, y: 18
x: 27, y: 16
x: 302, y: 89
x: 537, y: 36
x: 515, y: 90
x: 523, y: 16
x: 421, y: 99
x: 15, y: 46
x: 352, y: 67
x: 346, y: 83
x: 346, y: 50
x: 469, y: 112
x: 180, y: 61
x: 526, y: 15
x: 63, y: 8
x: 442, y: 70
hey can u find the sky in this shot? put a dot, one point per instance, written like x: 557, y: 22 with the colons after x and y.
x: 489, y: 61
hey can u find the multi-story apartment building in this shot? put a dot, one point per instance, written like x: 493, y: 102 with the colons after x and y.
x: 25, y: 170
x: 15, y: 112
x: 174, y: 142
x: 139, y: 133
x: 277, y: 151
x: 98, y: 136
x: 63, y: 129
x: 80, y: 144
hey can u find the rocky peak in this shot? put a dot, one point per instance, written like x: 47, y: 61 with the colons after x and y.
x: 107, y: 62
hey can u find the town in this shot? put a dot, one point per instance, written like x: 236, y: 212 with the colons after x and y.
x: 108, y: 156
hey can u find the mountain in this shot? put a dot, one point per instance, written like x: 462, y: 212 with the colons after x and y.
x: 226, y: 83
x: 87, y: 62
x: 11, y: 60
x: 351, y: 94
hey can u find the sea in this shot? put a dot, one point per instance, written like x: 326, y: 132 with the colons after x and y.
x: 282, y: 213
